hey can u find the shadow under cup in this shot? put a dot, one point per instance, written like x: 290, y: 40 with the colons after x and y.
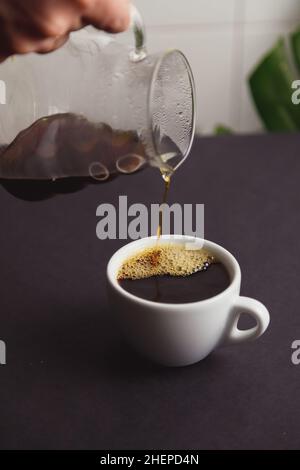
x: 182, y: 334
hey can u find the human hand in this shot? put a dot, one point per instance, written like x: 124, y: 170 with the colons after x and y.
x: 42, y: 26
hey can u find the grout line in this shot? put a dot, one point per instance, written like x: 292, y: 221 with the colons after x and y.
x: 237, y: 62
x: 212, y: 26
x: 242, y: 63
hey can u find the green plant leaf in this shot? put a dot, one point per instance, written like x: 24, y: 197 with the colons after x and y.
x: 270, y: 85
x: 295, y: 43
x: 222, y: 130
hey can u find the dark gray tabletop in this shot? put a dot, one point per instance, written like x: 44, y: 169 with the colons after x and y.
x: 70, y: 381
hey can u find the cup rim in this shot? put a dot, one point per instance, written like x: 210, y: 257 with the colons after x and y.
x: 230, y: 263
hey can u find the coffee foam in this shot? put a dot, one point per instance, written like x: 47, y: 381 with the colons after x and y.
x: 159, y: 260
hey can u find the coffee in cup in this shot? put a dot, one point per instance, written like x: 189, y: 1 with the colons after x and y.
x: 173, y: 274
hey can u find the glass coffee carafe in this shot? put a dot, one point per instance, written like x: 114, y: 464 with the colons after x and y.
x: 95, y: 107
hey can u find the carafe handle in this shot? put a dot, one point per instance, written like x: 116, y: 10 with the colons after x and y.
x: 137, y: 24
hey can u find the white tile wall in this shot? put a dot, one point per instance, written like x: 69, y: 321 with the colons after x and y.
x: 212, y: 70
x: 223, y: 39
x: 272, y: 10
x: 174, y: 12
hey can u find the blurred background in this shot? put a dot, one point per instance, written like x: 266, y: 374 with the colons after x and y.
x: 224, y: 40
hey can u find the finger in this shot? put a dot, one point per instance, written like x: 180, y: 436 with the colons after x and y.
x: 48, y: 19
x: 49, y: 45
x: 110, y: 15
x: 16, y: 43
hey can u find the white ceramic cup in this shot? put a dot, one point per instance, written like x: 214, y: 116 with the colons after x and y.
x: 182, y: 334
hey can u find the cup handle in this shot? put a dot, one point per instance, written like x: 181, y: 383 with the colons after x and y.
x: 254, y: 308
x: 140, y: 52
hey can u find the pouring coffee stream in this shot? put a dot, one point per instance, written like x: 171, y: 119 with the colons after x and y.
x: 167, y: 175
